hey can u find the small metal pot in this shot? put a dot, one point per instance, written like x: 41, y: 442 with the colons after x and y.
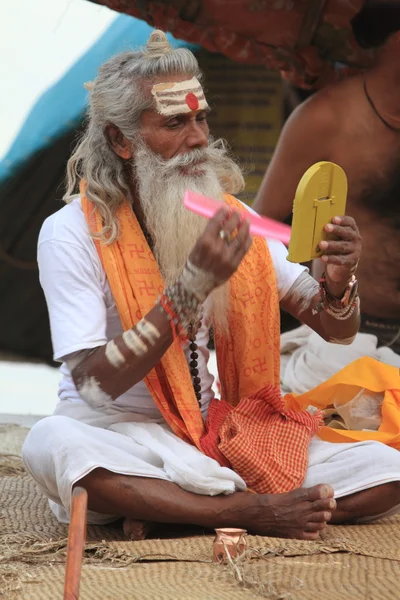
x: 229, y: 540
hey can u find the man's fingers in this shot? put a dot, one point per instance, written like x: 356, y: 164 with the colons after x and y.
x: 215, y: 224
x: 239, y: 244
x: 345, y: 221
x: 343, y: 232
x: 243, y: 232
x: 344, y: 260
x: 232, y: 222
x: 243, y: 246
x: 225, y: 220
x: 329, y: 248
x: 224, y: 243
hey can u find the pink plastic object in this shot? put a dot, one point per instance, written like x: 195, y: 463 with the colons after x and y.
x: 262, y: 226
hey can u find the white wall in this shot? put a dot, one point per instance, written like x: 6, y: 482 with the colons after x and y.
x: 39, y: 41
x: 27, y: 388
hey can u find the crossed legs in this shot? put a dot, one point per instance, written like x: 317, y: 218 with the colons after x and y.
x: 302, y: 513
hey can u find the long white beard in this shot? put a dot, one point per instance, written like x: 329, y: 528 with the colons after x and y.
x: 174, y: 229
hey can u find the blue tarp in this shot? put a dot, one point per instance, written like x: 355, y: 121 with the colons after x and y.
x: 61, y: 107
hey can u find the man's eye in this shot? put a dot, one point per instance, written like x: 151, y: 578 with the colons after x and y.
x: 173, y: 124
x: 202, y: 117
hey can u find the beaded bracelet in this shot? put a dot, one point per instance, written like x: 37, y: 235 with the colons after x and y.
x: 165, y: 306
x: 182, y: 302
x: 182, y: 309
x: 343, y: 313
x: 330, y: 305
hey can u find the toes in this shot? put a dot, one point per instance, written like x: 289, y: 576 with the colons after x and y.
x: 137, y: 530
x: 315, y: 526
x: 323, y: 504
x: 327, y: 491
x: 310, y: 535
x: 320, y: 491
x: 317, y: 492
x: 319, y: 517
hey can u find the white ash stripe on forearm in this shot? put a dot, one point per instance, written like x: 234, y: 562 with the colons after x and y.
x: 148, y: 331
x: 303, y: 292
x: 104, y: 373
x: 114, y: 355
x: 90, y: 390
x: 134, y: 342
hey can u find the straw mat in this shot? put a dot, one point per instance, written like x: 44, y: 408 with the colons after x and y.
x: 350, y: 563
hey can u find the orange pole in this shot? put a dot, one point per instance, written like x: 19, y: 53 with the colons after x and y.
x: 76, y: 543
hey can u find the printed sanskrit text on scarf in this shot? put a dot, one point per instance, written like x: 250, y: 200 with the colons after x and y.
x: 249, y: 429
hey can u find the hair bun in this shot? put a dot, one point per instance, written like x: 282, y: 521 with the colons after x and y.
x: 157, y: 44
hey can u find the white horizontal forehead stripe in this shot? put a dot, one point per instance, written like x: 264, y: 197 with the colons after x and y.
x: 179, y: 109
x: 180, y: 96
x: 171, y: 97
x: 188, y: 84
x: 173, y: 93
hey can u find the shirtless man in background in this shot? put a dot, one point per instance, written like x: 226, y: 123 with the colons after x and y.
x: 356, y: 124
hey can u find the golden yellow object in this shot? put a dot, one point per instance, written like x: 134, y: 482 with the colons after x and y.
x: 320, y: 196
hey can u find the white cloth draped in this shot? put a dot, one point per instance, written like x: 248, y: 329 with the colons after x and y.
x: 307, y: 360
x: 60, y: 450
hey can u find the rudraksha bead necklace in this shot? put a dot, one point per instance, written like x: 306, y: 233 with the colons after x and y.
x: 193, y: 363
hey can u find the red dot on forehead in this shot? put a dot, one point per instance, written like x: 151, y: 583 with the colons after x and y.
x: 191, y: 101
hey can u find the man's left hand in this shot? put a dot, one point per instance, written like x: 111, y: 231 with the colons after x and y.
x: 341, y: 255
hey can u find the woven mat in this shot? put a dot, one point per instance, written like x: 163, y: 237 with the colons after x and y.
x: 350, y: 563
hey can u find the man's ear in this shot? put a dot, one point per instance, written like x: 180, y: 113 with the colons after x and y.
x: 118, y: 142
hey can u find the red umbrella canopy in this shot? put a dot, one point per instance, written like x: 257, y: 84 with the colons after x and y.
x: 310, y: 41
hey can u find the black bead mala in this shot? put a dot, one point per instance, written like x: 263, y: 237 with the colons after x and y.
x: 193, y: 363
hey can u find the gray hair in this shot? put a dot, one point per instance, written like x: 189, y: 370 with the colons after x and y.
x: 117, y: 97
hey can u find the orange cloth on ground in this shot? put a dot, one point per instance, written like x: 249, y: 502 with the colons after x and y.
x: 250, y: 429
x: 365, y: 373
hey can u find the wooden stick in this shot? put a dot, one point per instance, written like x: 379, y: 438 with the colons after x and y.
x: 76, y: 543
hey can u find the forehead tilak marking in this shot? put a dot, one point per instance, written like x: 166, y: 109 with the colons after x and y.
x: 196, y: 89
x: 166, y: 102
x: 171, y: 86
x: 179, y: 97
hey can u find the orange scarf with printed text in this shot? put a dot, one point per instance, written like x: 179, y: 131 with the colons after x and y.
x: 249, y: 429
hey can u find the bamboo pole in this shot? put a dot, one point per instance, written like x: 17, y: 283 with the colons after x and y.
x: 76, y: 543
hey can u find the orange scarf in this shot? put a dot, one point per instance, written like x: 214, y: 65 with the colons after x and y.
x: 366, y: 373
x: 249, y: 430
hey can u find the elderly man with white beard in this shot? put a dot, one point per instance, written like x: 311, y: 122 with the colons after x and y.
x: 133, y: 282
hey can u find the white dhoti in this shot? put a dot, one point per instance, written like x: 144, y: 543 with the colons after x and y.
x: 60, y: 450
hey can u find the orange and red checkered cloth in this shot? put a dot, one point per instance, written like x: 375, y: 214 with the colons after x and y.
x: 249, y: 429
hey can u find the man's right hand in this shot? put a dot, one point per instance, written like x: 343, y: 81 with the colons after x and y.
x: 216, y: 252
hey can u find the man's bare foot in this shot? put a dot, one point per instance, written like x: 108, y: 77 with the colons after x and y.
x: 301, y: 514
x: 137, y: 530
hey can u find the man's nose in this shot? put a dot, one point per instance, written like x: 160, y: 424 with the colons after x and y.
x: 197, y: 136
